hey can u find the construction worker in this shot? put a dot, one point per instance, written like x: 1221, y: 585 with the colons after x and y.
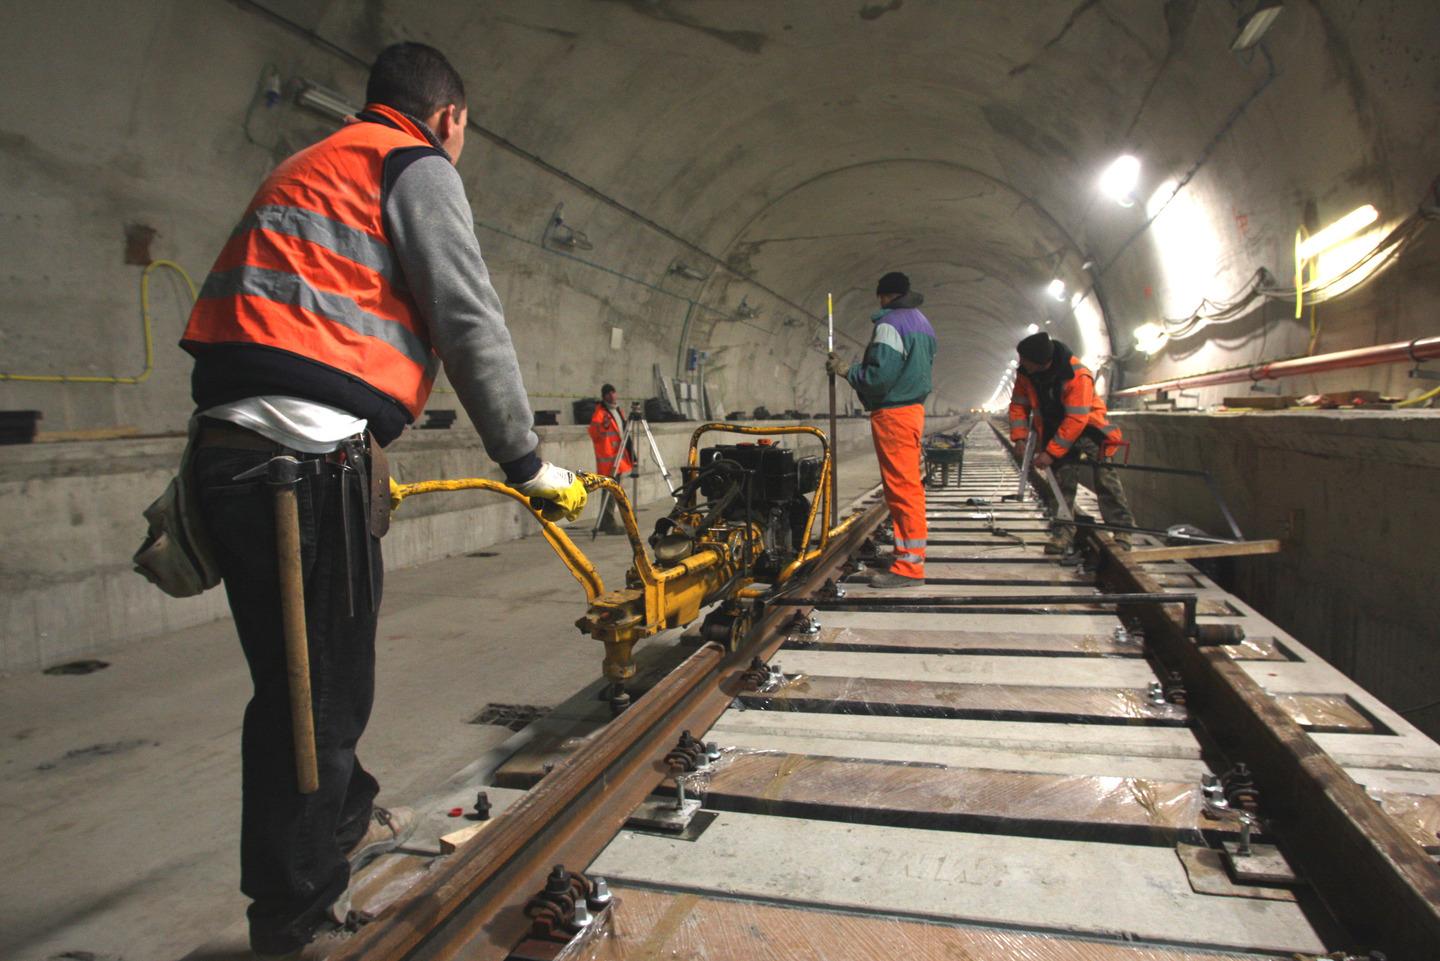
x: 352, y: 275
x: 607, y: 426
x: 1070, y: 418
x: 892, y: 381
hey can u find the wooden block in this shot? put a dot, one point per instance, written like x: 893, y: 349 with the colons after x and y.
x: 1260, y: 402
x: 1189, y: 551
x: 451, y: 842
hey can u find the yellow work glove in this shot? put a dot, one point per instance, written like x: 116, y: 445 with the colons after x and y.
x: 837, y: 365
x: 561, y: 492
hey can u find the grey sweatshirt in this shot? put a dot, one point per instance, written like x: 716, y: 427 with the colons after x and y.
x: 432, y: 231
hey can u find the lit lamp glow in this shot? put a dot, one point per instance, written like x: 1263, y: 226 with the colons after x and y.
x: 1119, y: 180
x: 1056, y: 289
x: 1309, y: 248
x: 1253, y: 27
x: 1342, y: 229
x: 1150, y: 338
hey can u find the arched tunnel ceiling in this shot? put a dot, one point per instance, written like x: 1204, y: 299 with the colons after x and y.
x: 813, y: 146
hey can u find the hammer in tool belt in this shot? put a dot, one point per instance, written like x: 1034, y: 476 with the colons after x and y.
x: 283, y: 474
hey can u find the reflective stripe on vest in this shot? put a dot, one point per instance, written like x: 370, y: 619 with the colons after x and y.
x: 309, y: 269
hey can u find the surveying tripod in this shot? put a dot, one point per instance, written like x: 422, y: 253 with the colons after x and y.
x: 636, y: 417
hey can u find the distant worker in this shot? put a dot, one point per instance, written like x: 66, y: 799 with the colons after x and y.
x: 607, y: 426
x: 1073, y: 432
x: 353, y: 274
x: 892, y: 381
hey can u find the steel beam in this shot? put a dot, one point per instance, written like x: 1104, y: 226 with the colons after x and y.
x: 474, y: 905
x: 1372, y: 876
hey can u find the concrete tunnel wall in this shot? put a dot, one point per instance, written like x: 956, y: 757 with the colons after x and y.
x: 1353, y: 498
x: 778, y: 150
x: 781, y: 151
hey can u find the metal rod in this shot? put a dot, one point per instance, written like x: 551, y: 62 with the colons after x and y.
x: 1023, y: 485
x: 997, y: 600
x: 472, y: 907
x: 834, y: 437
x: 1399, y: 352
x: 1371, y: 875
x: 1123, y: 528
x: 1204, y: 475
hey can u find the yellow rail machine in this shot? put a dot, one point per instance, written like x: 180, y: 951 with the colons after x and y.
x: 741, y: 527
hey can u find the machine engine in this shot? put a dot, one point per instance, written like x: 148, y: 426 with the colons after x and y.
x: 749, y: 495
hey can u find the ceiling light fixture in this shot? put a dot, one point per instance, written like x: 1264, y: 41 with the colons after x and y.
x: 1252, y: 28
x: 326, y: 101
x: 560, y: 233
x: 1119, y: 180
x: 1056, y: 289
x: 1341, y: 230
x: 1032, y: 329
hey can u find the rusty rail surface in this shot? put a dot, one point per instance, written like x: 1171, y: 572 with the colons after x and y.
x: 474, y: 904
x: 1372, y: 876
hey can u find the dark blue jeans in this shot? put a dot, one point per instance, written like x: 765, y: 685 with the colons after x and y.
x: 292, y: 845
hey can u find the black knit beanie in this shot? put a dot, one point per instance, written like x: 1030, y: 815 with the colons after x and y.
x: 893, y: 283
x: 1037, y: 348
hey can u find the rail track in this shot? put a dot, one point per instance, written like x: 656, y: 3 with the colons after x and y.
x: 1015, y: 763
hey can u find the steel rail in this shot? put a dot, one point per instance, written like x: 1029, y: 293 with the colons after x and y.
x: 1369, y: 873
x: 1372, y: 877
x: 474, y: 905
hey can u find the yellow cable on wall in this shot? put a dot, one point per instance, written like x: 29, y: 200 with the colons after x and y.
x: 1416, y: 401
x: 144, y: 375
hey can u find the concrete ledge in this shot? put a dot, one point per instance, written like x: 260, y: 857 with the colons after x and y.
x: 75, y: 519
x: 1356, y: 497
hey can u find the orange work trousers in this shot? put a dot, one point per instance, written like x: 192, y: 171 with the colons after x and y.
x: 896, y: 432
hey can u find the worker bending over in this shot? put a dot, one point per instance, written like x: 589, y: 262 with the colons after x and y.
x: 607, y: 427
x: 892, y: 382
x: 1058, y: 391
x: 353, y: 274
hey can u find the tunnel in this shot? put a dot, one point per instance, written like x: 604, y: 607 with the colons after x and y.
x: 1219, y: 207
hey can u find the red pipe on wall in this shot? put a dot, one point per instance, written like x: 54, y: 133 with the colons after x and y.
x: 1421, y: 348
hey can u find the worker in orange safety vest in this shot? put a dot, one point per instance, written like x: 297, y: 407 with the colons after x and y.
x: 607, y: 426
x: 353, y: 276
x: 1056, y: 392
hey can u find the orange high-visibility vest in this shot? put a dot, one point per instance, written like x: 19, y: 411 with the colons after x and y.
x: 310, y: 271
x: 605, y: 435
x: 1083, y: 408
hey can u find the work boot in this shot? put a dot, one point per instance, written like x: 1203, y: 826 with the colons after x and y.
x: 1072, y: 558
x: 1058, y: 547
x: 388, y: 829
x: 1122, y: 542
x: 891, y: 579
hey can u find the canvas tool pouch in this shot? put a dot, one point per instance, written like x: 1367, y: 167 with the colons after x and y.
x: 176, y: 555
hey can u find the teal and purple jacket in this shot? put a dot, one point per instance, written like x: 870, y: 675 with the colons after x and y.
x: 895, y: 371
